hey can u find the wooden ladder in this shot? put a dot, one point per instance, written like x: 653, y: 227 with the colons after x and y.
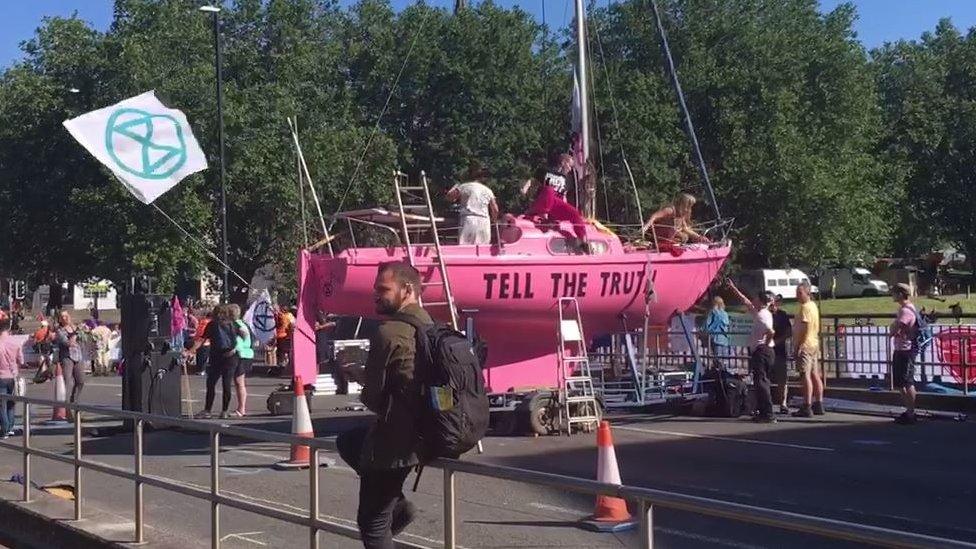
x: 417, y: 215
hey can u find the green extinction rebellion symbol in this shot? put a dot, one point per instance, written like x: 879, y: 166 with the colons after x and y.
x: 159, y: 148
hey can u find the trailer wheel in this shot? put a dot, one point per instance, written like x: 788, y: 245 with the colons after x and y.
x: 542, y: 414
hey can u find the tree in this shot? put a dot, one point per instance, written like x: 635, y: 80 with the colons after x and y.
x: 786, y: 115
x: 930, y: 124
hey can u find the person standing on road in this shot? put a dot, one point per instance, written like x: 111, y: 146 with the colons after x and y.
x: 903, y: 331
x: 717, y: 325
x: 221, y: 334
x: 284, y: 326
x: 761, y: 355
x: 44, y: 346
x: 806, y: 349
x: 478, y: 207
x: 69, y: 356
x: 783, y: 327
x: 384, y: 453
x: 11, y: 361
x: 245, y: 358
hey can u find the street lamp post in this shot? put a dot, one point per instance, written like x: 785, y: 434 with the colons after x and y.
x: 218, y: 62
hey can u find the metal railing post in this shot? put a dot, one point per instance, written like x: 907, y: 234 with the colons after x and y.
x: 449, y: 510
x: 964, y: 361
x: 214, y: 489
x: 77, y: 415
x: 647, y: 525
x: 27, y: 457
x: 137, y: 469
x: 313, y: 497
x: 836, y: 348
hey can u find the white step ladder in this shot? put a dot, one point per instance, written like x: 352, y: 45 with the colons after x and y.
x: 417, y: 216
x: 577, y: 397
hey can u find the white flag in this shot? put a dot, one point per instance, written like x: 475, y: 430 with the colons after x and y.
x: 260, y: 317
x: 147, y: 145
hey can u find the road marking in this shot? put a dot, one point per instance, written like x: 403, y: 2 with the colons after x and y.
x: 727, y: 439
x: 556, y: 508
x: 669, y: 531
x: 871, y: 442
x: 436, y: 543
x: 243, y: 536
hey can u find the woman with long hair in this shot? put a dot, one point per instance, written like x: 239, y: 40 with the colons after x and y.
x: 245, y: 357
x: 223, y: 358
x: 672, y: 224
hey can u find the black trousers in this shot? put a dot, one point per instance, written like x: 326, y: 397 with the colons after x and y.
x: 761, y: 365
x: 380, y: 492
x: 224, y: 369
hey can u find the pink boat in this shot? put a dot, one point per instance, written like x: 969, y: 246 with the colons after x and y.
x: 511, y: 292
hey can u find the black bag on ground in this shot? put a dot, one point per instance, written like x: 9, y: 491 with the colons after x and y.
x: 727, y: 394
x: 454, y: 413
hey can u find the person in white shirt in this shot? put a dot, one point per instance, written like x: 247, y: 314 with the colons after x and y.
x: 761, y: 354
x: 478, y: 207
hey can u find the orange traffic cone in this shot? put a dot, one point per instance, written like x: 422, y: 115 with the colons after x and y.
x: 301, y: 425
x: 59, y: 415
x: 610, y: 514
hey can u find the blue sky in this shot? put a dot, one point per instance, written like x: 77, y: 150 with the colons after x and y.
x: 880, y: 20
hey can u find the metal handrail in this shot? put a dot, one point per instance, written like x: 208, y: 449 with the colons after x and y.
x: 646, y: 497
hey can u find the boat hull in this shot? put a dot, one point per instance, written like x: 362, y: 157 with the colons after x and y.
x: 513, y: 297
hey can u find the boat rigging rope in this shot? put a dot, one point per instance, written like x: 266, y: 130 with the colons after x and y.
x: 616, y: 120
x: 596, y: 119
x: 376, y: 127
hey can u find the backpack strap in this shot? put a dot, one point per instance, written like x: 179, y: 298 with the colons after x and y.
x: 421, y: 341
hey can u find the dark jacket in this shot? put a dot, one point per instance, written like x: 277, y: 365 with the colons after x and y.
x: 390, y: 392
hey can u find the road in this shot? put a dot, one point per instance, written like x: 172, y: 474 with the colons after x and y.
x: 854, y: 468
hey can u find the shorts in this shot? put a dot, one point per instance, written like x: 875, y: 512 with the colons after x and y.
x: 244, y: 367
x: 806, y: 361
x: 903, y: 369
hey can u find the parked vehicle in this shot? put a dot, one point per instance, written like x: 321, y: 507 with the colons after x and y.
x: 851, y: 282
x: 781, y: 282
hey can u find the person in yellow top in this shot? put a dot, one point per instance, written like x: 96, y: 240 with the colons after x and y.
x: 806, y: 350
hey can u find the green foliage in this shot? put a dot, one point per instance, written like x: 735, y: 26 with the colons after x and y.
x: 928, y: 95
x: 814, y: 146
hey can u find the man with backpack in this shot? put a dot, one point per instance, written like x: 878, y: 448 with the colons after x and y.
x: 904, y: 331
x: 384, y: 453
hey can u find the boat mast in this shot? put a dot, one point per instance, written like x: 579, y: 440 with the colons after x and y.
x: 689, y: 126
x: 587, y: 206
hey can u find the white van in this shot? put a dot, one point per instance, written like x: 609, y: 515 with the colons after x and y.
x: 852, y: 282
x: 781, y: 282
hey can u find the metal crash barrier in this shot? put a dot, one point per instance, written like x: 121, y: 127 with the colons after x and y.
x: 646, y: 498
x: 853, y: 348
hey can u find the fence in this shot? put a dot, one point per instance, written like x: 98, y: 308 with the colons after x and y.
x: 647, y: 498
x: 852, y: 347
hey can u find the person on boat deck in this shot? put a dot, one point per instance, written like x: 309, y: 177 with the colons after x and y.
x: 478, y: 207
x: 672, y: 224
x: 560, y: 166
x: 551, y: 206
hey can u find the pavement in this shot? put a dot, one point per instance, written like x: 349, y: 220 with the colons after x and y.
x: 855, y: 468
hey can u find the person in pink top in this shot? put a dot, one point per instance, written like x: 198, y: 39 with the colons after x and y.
x: 903, y: 356
x: 11, y: 360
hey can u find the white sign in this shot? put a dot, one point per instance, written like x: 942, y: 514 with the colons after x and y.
x: 260, y: 317
x: 147, y: 145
